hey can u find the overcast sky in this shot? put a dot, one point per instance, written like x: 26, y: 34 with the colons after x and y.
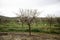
x: 9, y: 7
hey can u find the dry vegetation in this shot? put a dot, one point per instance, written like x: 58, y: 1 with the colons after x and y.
x: 34, y: 36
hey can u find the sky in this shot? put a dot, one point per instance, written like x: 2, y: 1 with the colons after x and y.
x: 10, y: 7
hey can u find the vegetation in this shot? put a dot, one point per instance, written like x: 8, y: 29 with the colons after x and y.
x: 27, y: 17
x: 12, y: 25
x: 28, y: 21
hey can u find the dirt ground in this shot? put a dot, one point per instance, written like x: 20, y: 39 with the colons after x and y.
x: 34, y: 36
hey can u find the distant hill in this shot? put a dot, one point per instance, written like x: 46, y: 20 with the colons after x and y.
x: 8, y: 18
x: 4, y: 19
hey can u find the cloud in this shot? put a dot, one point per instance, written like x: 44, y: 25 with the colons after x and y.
x: 51, y: 9
x: 7, y: 7
x: 47, y: 2
x: 27, y: 3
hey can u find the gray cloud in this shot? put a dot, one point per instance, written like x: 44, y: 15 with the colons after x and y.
x: 48, y: 6
x: 57, y: 13
x: 47, y: 2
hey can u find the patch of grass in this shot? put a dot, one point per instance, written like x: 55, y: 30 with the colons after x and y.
x: 15, y: 27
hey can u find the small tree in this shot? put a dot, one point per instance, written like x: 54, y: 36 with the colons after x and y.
x: 50, y: 20
x: 27, y: 16
x: 57, y: 22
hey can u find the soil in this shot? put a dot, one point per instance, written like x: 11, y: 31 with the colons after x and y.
x: 34, y: 36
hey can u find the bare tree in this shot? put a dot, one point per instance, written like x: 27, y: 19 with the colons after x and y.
x: 27, y: 16
x: 57, y: 22
x: 50, y: 20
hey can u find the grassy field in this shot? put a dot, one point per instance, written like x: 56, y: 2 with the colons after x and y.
x: 39, y: 31
x: 17, y: 27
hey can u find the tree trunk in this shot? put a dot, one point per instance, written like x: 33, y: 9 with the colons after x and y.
x: 22, y: 24
x: 50, y: 24
x: 29, y: 29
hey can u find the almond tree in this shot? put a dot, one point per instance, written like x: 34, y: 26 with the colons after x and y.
x: 27, y: 16
x: 50, y: 20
